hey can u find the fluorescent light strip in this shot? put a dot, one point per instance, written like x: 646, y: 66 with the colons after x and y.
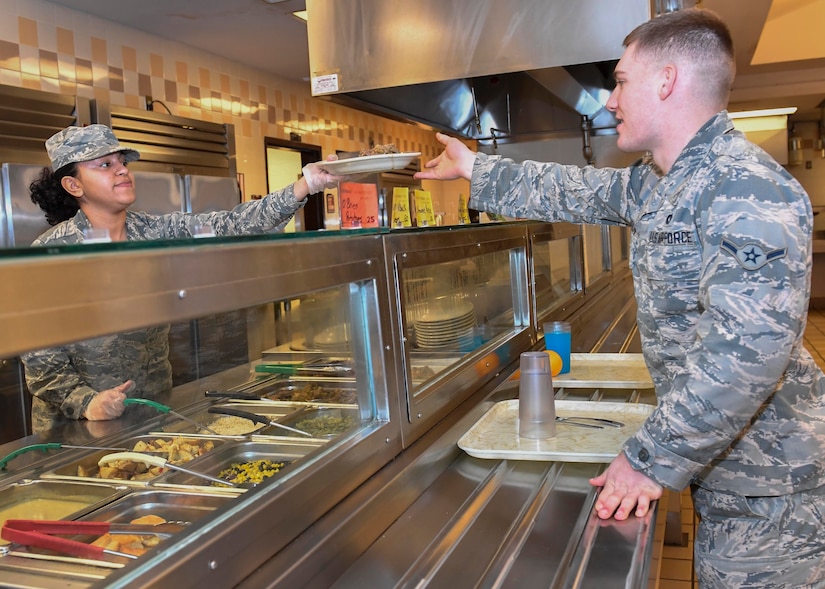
x: 765, y: 112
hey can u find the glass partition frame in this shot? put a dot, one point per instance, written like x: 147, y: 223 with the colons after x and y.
x: 54, y: 296
x: 548, y: 303
x: 409, y: 251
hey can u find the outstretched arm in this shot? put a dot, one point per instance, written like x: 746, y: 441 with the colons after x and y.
x: 315, y: 179
x: 456, y: 161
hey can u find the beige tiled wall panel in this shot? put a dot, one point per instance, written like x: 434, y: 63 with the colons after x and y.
x: 49, y: 47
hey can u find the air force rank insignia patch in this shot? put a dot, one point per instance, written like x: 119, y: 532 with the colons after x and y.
x: 751, y: 256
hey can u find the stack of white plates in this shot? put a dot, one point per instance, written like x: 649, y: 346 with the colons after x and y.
x: 333, y: 339
x: 445, y: 324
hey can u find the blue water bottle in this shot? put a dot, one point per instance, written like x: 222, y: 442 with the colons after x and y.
x: 557, y: 338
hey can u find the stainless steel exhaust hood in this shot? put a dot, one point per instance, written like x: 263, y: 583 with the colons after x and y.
x: 482, y: 69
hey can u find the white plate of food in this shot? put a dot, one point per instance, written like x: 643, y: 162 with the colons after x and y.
x: 369, y: 164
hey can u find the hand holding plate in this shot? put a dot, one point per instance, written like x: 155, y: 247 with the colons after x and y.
x: 318, y: 179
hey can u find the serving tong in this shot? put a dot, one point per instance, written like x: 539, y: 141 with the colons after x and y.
x: 43, y: 534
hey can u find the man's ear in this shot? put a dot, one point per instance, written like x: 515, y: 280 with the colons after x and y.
x: 667, y: 81
x: 71, y: 185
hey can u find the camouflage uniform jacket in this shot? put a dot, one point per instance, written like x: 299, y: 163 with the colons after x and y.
x: 63, y: 380
x: 721, y: 262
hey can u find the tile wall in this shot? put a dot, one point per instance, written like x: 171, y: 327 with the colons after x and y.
x: 48, y: 47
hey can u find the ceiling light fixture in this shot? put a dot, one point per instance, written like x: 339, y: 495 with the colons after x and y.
x: 763, y: 112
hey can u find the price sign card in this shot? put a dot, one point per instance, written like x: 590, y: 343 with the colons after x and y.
x: 359, y: 205
x: 401, y: 207
x: 424, y: 213
x: 463, y: 212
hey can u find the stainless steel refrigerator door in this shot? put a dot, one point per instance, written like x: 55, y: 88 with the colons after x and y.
x: 218, y: 342
x: 24, y: 221
x: 205, y: 194
x: 158, y: 193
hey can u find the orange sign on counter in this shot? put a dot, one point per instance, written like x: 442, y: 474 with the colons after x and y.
x: 359, y: 205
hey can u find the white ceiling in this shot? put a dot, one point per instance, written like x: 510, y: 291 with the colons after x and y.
x: 785, y: 35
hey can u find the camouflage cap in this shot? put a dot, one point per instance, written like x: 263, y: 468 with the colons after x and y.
x: 81, y: 144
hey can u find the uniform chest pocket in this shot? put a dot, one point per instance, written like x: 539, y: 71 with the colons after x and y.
x: 669, y: 268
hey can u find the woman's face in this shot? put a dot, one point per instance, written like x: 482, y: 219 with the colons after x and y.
x: 105, y: 184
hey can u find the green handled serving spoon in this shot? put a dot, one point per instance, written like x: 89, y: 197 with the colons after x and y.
x: 166, y: 409
x: 46, y: 446
x: 298, y: 369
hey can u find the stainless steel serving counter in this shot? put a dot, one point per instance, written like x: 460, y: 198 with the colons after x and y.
x: 393, y: 502
x: 438, y: 517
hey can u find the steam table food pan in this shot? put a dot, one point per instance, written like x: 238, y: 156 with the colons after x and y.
x: 239, y: 453
x: 310, y: 390
x: 324, y: 422
x: 52, y: 500
x: 87, y: 469
x: 271, y: 410
x: 177, y: 506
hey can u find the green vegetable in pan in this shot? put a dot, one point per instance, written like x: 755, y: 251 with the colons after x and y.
x: 326, y: 425
x: 254, y: 471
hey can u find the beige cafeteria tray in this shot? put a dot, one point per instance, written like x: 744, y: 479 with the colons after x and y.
x: 606, y: 371
x: 495, y: 435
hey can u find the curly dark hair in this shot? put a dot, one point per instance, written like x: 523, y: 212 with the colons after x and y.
x: 49, y: 194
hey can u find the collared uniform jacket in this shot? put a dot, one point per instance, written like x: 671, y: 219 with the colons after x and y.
x: 721, y: 262
x: 64, y: 379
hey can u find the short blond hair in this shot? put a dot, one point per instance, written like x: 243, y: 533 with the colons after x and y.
x: 696, y: 36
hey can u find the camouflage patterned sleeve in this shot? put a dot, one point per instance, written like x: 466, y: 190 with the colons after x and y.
x: 743, y: 383
x: 256, y: 216
x: 51, y: 378
x: 247, y: 218
x: 554, y: 192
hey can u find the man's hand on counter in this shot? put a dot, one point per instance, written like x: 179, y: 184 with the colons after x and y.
x: 624, y: 488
